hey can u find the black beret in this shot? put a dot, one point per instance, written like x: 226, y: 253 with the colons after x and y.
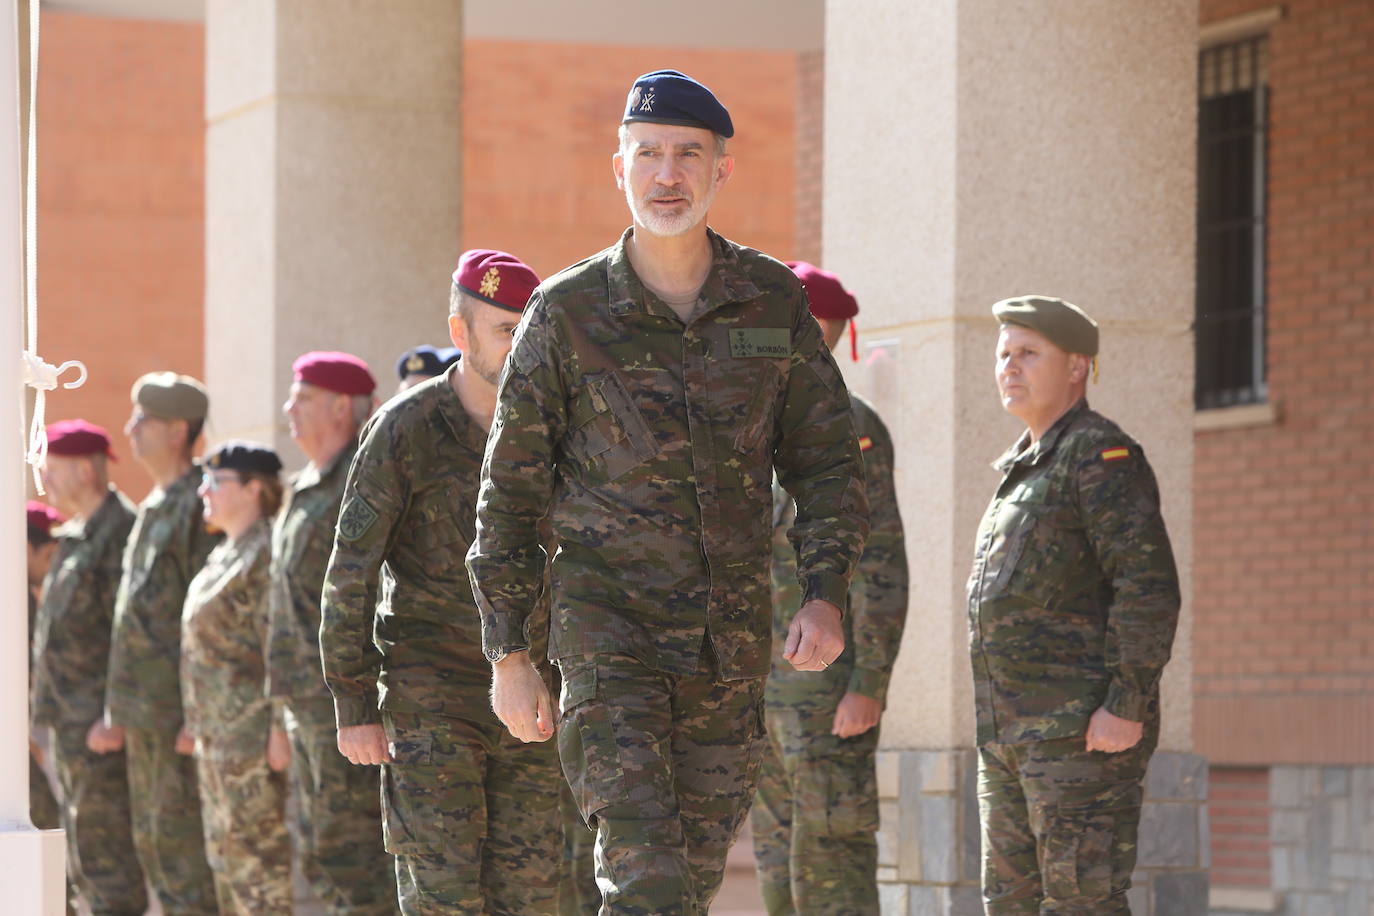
x: 244, y: 456
x: 421, y: 360
x: 670, y: 97
x: 1066, y: 325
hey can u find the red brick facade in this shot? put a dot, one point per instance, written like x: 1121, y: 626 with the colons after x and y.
x: 1284, y: 582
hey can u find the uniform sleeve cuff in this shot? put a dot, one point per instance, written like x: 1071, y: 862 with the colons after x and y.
x: 349, y: 711
x: 869, y: 683
x: 1125, y: 703
x: 503, y: 633
x: 828, y: 586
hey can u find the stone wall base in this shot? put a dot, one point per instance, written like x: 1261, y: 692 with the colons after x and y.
x: 928, y: 847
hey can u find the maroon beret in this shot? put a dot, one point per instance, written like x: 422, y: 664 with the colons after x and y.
x: 41, y: 516
x: 343, y: 373
x: 496, y: 277
x: 77, y: 438
x: 825, y: 292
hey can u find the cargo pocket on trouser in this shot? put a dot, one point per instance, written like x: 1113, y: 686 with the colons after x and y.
x: 586, y: 741
x: 404, y: 810
x: 1090, y: 851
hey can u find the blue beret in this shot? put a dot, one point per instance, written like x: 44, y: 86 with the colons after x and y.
x: 245, y: 457
x: 421, y: 360
x: 670, y: 97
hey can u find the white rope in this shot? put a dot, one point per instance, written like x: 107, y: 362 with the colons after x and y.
x: 39, y: 375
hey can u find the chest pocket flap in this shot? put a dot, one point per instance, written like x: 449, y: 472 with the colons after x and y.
x: 608, y: 427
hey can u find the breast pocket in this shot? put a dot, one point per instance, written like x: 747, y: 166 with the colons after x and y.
x: 609, y: 433
x: 1045, y: 551
x: 761, y: 387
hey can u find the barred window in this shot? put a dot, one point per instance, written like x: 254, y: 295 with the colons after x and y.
x: 1229, y: 321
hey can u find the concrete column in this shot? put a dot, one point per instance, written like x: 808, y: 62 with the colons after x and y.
x: 975, y: 151
x: 333, y: 181
x: 34, y: 859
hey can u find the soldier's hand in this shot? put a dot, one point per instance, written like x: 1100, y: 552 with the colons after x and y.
x: 520, y: 698
x: 815, y: 638
x: 186, y: 742
x: 1111, y: 733
x: 364, y: 745
x: 104, y: 739
x: 278, y: 750
x: 855, y: 715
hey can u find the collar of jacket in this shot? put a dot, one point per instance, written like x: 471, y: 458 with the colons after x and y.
x: 1022, y: 453
x: 725, y: 282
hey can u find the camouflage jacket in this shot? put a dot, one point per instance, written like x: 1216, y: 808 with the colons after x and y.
x: 399, y: 624
x: 302, y: 536
x: 877, y: 598
x: 71, y: 634
x: 652, y: 446
x: 1074, y: 595
x: 168, y: 546
x: 223, y: 631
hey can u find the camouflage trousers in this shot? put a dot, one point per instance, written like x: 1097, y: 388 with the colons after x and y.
x: 664, y: 767
x: 816, y: 817
x: 338, y: 827
x: 243, y: 804
x: 168, y: 833
x: 102, y: 869
x: 578, y: 894
x: 471, y: 815
x: 1059, y: 826
x: 42, y: 804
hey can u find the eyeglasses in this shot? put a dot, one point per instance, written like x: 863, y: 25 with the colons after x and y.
x: 213, y: 482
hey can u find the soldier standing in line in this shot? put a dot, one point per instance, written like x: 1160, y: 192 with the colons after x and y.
x: 1072, y: 606
x: 71, y: 648
x: 650, y: 394
x: 470, y: 812
x: 816, y: 815
x: 40, y: 520
x: 167, y: 548
x: 421, y: 363
x: 241, y: 749
x: 339, y: 827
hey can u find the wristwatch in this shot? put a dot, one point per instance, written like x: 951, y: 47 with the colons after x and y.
x: 497, y: 653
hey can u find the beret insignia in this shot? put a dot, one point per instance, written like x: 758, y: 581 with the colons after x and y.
x: 491, y: 282
x: 416, y: 363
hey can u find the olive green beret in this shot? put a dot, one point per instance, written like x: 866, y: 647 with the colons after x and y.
x: 1063, y: 323
x: 171, y: 396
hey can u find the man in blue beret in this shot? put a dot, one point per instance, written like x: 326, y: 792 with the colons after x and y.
x: 651, y: 393
x: 422, y: 363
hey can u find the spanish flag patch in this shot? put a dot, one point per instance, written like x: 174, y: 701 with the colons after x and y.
x: 1116, y: 454
x: 865, y: 443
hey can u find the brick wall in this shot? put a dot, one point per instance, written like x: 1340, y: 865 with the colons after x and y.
x: 121, y: 210
x: 1284, y: 585
x: 810, y: 153
x: 1238, y: 806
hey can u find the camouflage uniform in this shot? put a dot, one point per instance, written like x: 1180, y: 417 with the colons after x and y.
x: 470, y: 813
x: 652, y: 446
x: 1072, y: 606
x: 42, y: 805
x: 168, y: 546
x: 578, y: 894
x: 339, y: 827
x: 71, y: 647
x: 224, y: 628
x: 816, y: 814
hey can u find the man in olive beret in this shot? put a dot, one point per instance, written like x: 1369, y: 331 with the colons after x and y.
x: 1072, y: 607
x: 168, y: 546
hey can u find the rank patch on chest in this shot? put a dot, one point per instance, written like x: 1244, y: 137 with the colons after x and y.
x: 356, y: 518
x: 1116, y: 454
x: 764, y: 342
